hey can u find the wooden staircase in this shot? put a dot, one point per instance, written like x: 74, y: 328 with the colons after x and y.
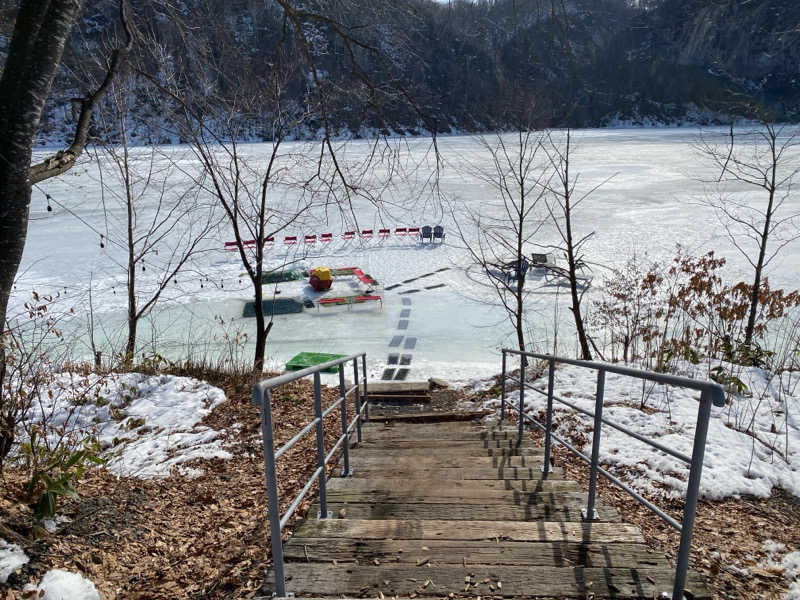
x: 453, y: 509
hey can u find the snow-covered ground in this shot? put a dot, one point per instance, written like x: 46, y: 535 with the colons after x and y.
x: 650, y: 204
x: 753, y: 443
x: 145, y: 425
x: 12, y: 558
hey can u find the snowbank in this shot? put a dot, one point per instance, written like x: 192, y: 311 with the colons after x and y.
x: 735, y: 462
x: 145, y: 424
x: 788, y: 565
x: 11, y: 558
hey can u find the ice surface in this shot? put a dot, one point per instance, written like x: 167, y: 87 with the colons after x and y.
x: 650, y: 204
x: 11, y: 558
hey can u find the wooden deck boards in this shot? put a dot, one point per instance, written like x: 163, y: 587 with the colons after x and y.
x: 451, y: 508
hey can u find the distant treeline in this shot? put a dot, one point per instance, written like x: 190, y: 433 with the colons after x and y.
x: 469, y: 66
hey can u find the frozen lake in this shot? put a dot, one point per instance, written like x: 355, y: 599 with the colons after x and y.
x: 453, y: 330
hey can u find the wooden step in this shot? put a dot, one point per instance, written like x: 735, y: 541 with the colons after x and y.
x: 451, y: 488
x: 445, y: 552
x: 404, y: 579
x: 463, y: 496
x: 543, y: 531
x: 461, y: 450
x: 564, y: 510
x: 410, y: 472
x: 429, y: 417
x: 441, y: 460
x: 465, y: 434
x: 433, y: 443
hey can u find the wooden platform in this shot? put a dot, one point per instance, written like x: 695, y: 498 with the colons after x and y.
x: 453, y: 509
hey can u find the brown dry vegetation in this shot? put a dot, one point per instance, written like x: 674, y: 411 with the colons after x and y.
x: 176, y: 537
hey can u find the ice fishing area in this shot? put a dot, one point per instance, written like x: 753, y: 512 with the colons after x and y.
x: 421, y: 306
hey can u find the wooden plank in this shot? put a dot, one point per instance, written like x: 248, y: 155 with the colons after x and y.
x: 511, y: 444
x: 368, y: 580
x: 456, y: 473
x: 449, y: 488
x: 429, y: 416
x: 458, y: 511
x: 404, y: 433
x: 384, y: 423
x: 542, y: 531
x: 442, y: 552
x: 442, y: 460
x: 463, y: 496
x: 462, y: 450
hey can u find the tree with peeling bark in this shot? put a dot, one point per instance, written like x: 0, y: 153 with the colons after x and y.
x: 41, y: 30
x: 764, y: 160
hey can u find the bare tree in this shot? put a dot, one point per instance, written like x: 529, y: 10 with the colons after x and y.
x: 164, y: 219
x: 562, y: 204
x: 508, y: 221
x: 763, y: 160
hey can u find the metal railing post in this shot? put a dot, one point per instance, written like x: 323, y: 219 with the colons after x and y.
x: 345, y: 435
x: 522, y: 363
x: 503, y: 390
x: 323, y: 497
x: 549, y: 417
x: 262, y: 399
x: 357, y: 400
x: 590, y: 513
x: 366, y: 397
x: 692, y: 492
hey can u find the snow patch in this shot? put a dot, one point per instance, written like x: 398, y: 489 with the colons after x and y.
x: 145, y: 424
x: 63, y: 585
x: 735, y: 462
x: 789, y: 565
x: 11, y: 558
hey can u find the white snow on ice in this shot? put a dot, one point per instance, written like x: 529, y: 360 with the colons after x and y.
x: 788, y: 564
x: 146, y: 424
x: 735, y: 463
x: 11, y: 558
x: 651, y: 204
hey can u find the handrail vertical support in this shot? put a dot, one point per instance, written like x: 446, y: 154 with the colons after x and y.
x: 262, y: 399
x: 692, y: 492
x: 590, y: 514
x: 551, y: 371
x: 366, y: 396
x: 343, y: 406
x: 522, y: 363
x: 357, y: 399
x: 323, y: 496
x: 503, y: 391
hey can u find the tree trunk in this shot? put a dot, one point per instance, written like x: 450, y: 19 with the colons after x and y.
x: 261, y: 333
x: 762, y: 252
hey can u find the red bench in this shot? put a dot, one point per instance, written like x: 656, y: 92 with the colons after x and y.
x: 310, y: 239
x: 234, y: 246
x: 269, y: 241
x: 348, y: 235
x: 413, y: 231
x: 326, y: 237
x: 384, y: 233
x: 290, y: 239
x: 400, y: 231
x: 366, y: 234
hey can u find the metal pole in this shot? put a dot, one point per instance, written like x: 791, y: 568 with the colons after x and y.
x: 342, y: 392
x: 692, y: 492
x: 549, y: 417
x: 590, y: 513
x: 273, y: 509
x: 522, y: 363
x: 366, y: 397
x: 503, y: 391
x: 323, y: 499
x: 357, y: 399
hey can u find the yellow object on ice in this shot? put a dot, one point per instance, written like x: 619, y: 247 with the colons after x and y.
x: 322, y: 273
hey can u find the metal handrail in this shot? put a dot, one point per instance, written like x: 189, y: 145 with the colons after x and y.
x: 261, y: 397
x: 710, y: 393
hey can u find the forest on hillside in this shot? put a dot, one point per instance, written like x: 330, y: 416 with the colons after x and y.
x: 420, y: 65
